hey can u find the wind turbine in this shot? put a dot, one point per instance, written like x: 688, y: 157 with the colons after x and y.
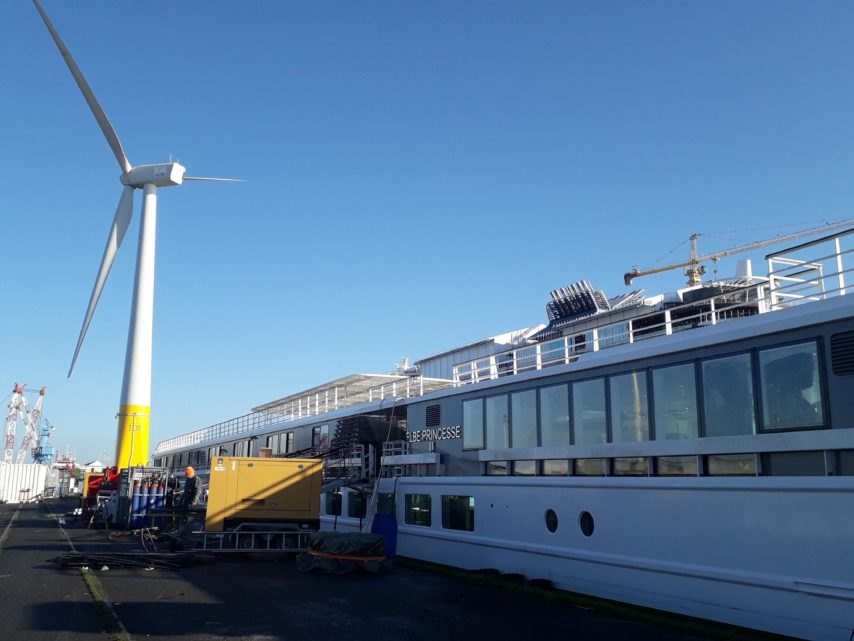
x: 135, y: 402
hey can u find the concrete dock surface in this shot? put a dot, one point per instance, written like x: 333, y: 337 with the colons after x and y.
x: 269, y: 600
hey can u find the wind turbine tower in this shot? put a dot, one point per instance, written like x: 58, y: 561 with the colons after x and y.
x: 135, y: 404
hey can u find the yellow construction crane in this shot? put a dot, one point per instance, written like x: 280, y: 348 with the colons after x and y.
x: 694, y: 268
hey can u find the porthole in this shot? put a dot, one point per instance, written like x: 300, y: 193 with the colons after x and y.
x: 551, y: 520
x: 585, y: 520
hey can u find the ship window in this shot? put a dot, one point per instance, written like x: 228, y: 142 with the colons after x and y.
x: 674, y: 394
x: 385, y: 503
x: 590, y: 467
x: 731, y: 465
x: 473, y: 424
x: 434, y: 415
x: 629, y: 413
x: 555, y: 468
x: 356, y: 505
x: 524, y: 468
x: 728, y: 396
x: 524, y: 408
x: 417, y: 509
x: 496, y: 468
x: 458, y: 513
x: 630, y: 466
x: 273, y: 443
x: 554, y: 415
x: 676, y: 466
x: 333, y: 503
x: 793, y: 464
x: 791, y: 392
x: 320, y: 437
x: 497, y: 422
x: 551, y: 520
x: 588, y: 412
x: 585, y: 522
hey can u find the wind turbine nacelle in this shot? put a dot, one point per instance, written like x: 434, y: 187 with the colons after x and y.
x: 166, y: 175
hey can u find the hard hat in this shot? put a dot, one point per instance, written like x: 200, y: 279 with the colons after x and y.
x: 190, y: 471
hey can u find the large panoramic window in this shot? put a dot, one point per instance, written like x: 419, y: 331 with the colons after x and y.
x: 417, y: 509
x: 524, y: 411
x: 791, y: 390
x: 629, y: 408
x: 554, y: 415
x: 473, y: 424
x: 588, y: 412
x: 728, y: 396
x: 674, y: 395
x: 458, y: 513
x: 497, y: 422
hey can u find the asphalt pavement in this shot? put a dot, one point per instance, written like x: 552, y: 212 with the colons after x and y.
x: 267, y: 599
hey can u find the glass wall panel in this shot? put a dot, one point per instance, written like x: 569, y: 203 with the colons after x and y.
x: 496, y: 468
x: 728, y: 396
x: 630, y: 466
x: 417, y: 509
x: 794, y: 464
x: 497, y: 422
x: 473, y: 424
x: 676, y: 466
x: 556, y: 468
x: 590, y: 467
x: 588, y: 412
x: 554, y: 415
x: 731, y: 465
x: 458, y: 513
x: 524, y: 413
x: 791, y: 391
x: 629, y: 408
x: 525, y: 468
x: 674, y: 396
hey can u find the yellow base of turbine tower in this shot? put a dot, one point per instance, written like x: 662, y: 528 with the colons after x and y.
x: 132, y: 442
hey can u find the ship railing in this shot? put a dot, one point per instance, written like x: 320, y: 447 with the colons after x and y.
x: 807, y: 272
x: 405, y: 388
x: 248, y: 423
x: 810, y: 271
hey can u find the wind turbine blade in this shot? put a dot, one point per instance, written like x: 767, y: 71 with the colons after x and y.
x: 121, y: 221
x: 222, y: 180
x: 97, y: 111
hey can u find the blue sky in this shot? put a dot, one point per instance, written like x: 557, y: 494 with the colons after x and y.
x: 419, y: 175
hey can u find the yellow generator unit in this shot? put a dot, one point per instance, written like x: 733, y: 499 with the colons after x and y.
x: 263, y: 490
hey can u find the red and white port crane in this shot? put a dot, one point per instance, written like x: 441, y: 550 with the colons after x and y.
x: 20, y: 408
x: 694, y: 268
x: 12, y: 422
x: 31, y: 421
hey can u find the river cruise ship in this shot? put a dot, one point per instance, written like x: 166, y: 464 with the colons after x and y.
x: 691, y: 452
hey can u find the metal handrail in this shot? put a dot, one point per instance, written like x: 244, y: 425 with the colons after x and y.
x: 785, y: 287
